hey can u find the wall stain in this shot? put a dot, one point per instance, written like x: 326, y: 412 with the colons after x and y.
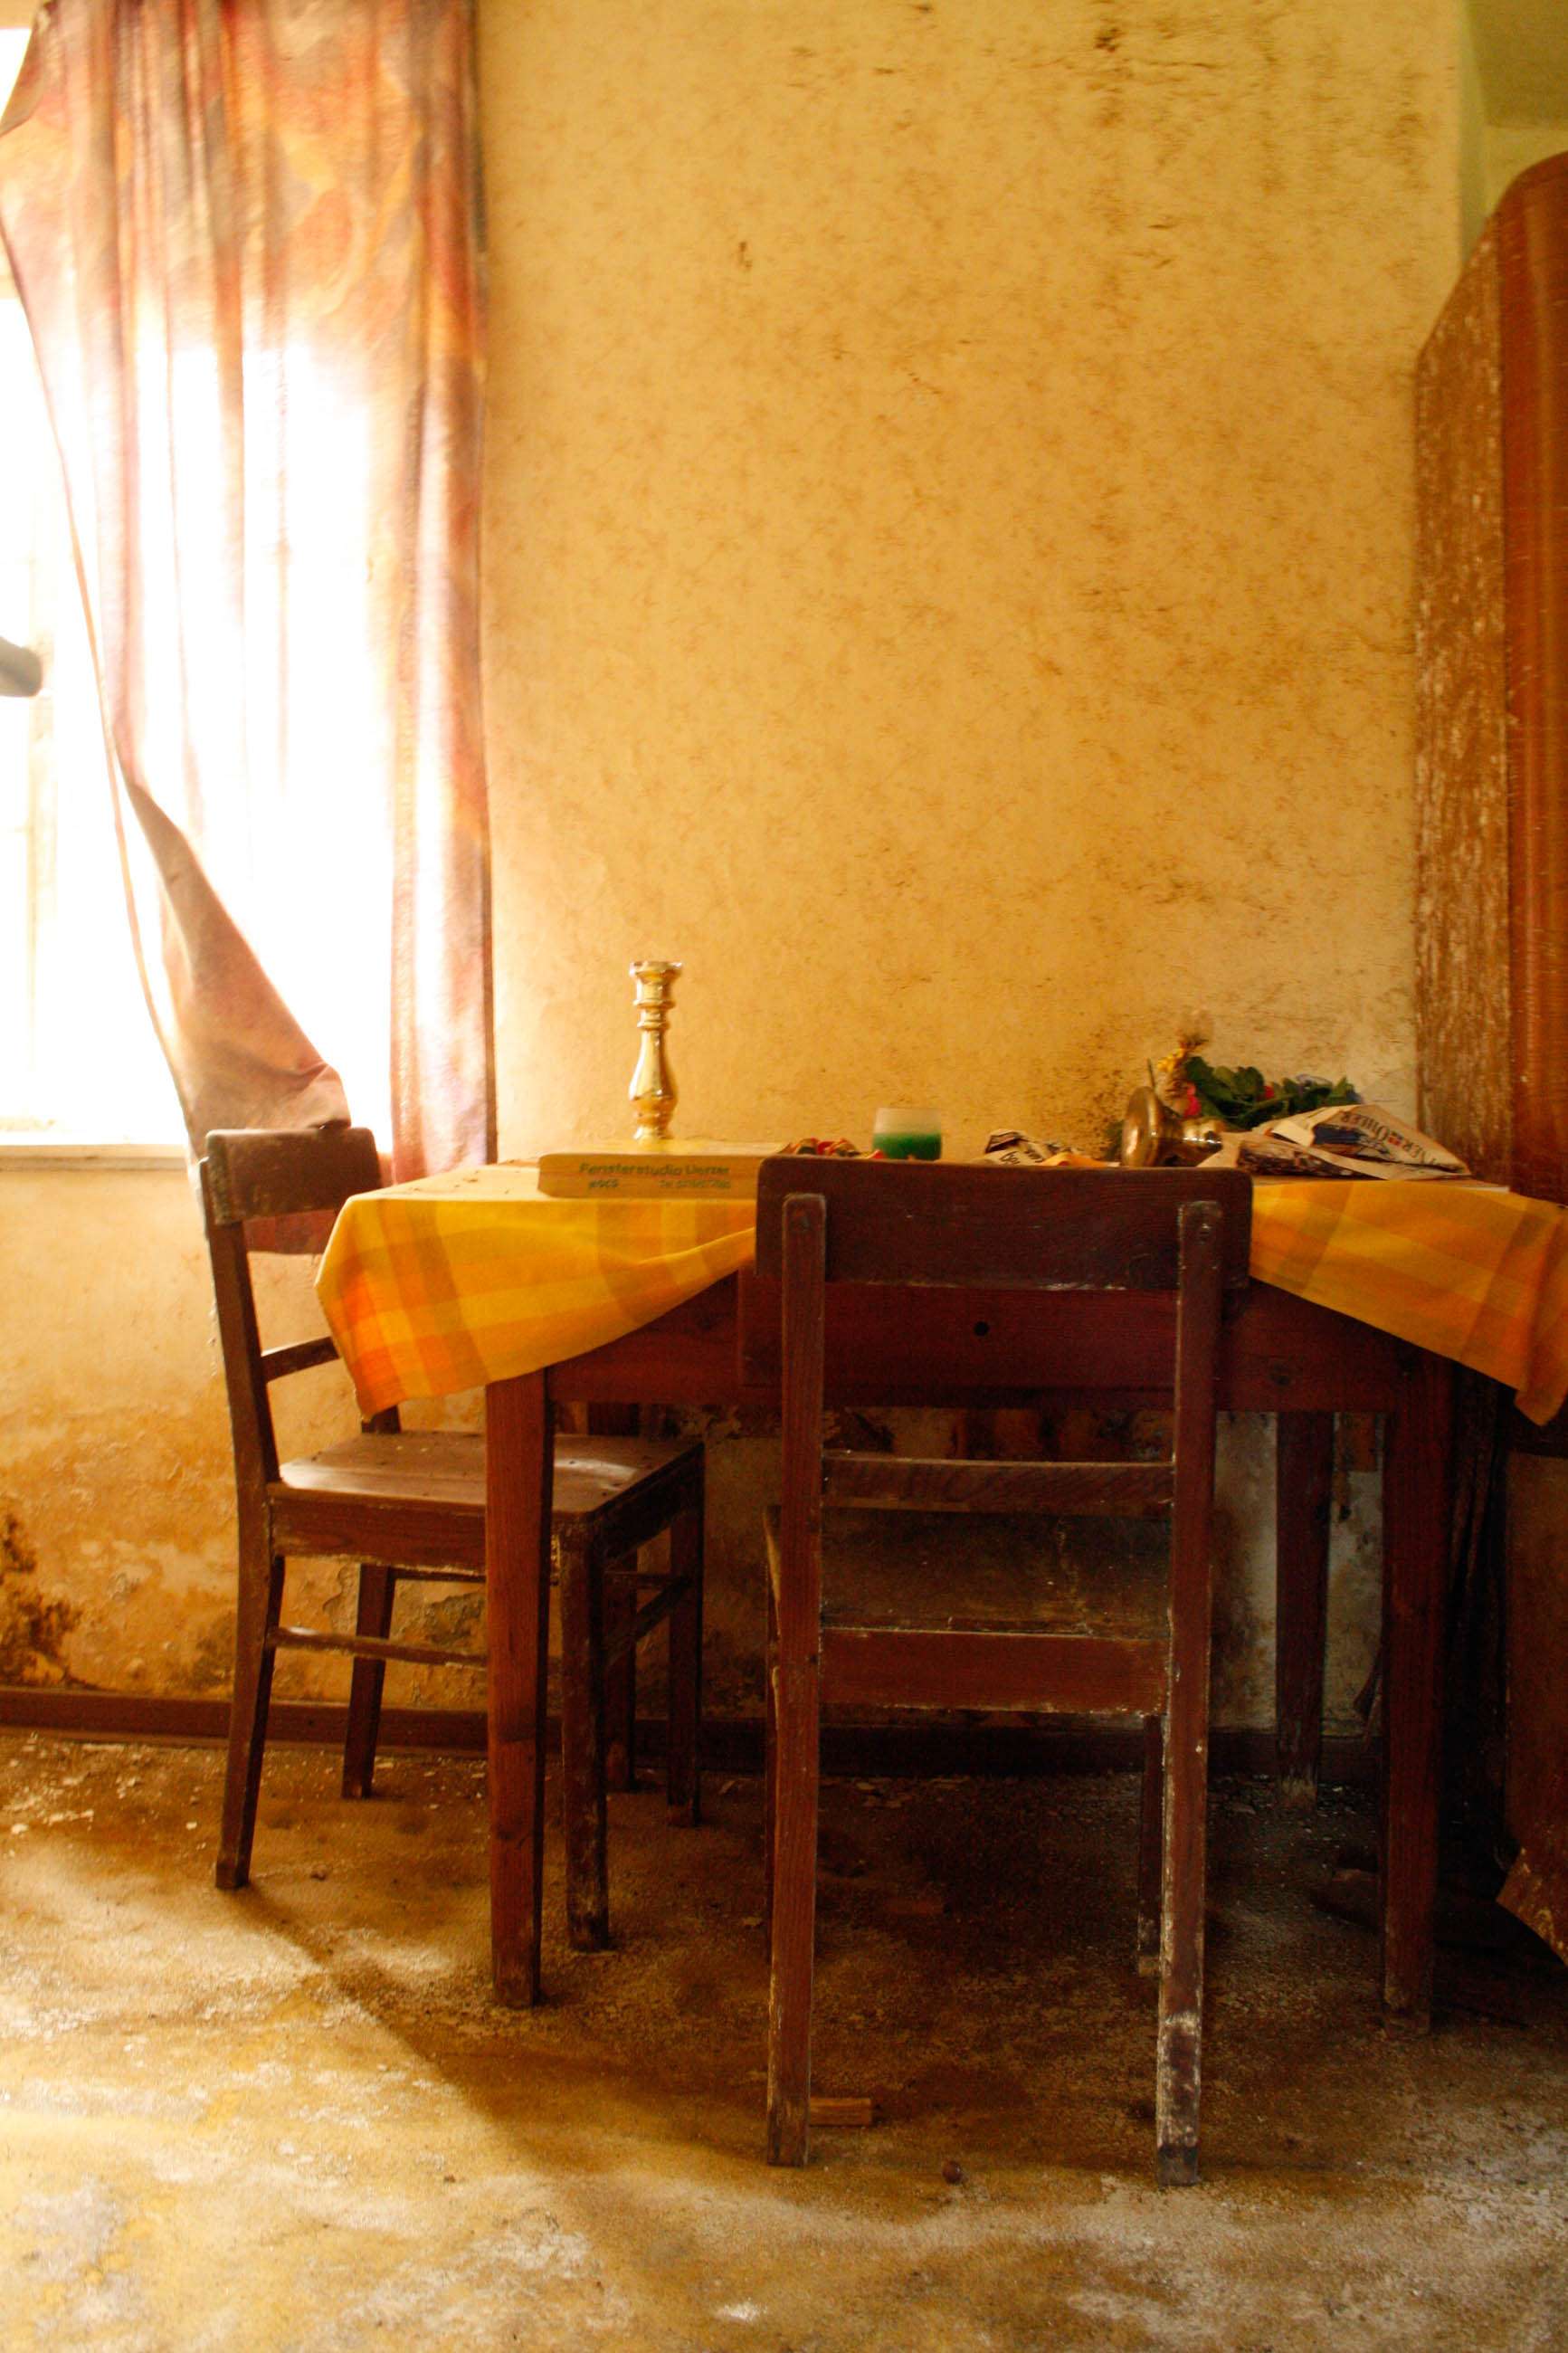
x: 32, y: 1630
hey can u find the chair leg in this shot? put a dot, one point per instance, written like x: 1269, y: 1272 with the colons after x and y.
x: 583, y: 1609
x: 260, y: 1602
x: 770, y: 1763
x: 795, y: 1699
x: 377, y: 1586
x: 684, y: 1789
x: 1178, y: 2069
x: 1150, y: 1844
x: 1178, y: 2073
x: 620, y: 1691
x: 1178, y: 2076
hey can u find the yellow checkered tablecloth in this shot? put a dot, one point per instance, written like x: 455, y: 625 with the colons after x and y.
x: 454, y: 1280
x: 1467, y: 1270
x: 459, y: 1279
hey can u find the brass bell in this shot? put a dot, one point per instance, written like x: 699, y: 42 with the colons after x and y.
x: 1155, y: 1136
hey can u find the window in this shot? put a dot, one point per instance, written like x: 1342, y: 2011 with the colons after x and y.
x: 78, y: 1058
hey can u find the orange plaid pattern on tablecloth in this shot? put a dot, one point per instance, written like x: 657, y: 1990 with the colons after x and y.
x: 454, y: 1280
x: 1467, y: 1270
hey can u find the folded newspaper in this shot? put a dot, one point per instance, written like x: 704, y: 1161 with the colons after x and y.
x: 1340, y: 1140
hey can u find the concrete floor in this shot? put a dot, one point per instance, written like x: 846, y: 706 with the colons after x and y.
x: 291, y: 2119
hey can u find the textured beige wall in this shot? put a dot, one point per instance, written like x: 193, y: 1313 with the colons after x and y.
x: 949, y: 543
x: 948, y: 577
x: 1513, y: 147
x: 1474, y: 203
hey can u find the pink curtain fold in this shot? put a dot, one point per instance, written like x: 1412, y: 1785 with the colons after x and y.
x: 246, y: 235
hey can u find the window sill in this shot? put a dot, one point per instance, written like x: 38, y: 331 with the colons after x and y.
x: 76, y: 1153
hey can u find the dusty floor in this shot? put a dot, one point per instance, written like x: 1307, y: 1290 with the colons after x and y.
x: 291, y: 2119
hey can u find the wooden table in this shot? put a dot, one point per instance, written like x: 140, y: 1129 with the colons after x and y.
x: 1281, y: 1356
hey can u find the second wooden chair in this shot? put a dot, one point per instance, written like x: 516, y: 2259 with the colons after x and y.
x: 411, y: 1505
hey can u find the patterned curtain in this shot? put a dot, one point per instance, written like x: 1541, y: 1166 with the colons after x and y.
x: 247, y: 236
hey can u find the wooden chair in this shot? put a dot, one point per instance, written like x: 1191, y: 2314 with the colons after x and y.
x: 411, y: 1505
x: 990, y: 1231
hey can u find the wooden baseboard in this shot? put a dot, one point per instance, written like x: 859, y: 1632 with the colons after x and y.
x: 140, y: 1715
x: 730, y: 1745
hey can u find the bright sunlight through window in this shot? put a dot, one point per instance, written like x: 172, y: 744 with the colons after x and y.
x: 78, y: 1054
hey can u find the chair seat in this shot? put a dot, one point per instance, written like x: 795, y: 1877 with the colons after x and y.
x: 447, y: 1467
x: 592, y: 1472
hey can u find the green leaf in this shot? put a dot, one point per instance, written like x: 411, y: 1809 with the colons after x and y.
x: 1245, y: 1098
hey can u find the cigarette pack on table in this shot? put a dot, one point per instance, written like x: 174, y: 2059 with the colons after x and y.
x: 655, y: 1172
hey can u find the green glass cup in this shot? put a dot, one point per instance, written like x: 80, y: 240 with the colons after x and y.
x: 907, y: 1132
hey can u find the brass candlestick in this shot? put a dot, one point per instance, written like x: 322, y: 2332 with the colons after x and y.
x: 653, y: 1090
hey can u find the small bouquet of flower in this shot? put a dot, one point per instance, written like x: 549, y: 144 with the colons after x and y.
x: 1241, y: 1098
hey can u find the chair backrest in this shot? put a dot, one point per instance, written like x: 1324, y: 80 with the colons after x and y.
x: 258, y: 1186
x: 992, y: 1230
x: 256, y: 1172
x: 945, y: 1224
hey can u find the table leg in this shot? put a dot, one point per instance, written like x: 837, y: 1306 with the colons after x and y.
x: 1415, y: 1524
x: 1303, y: 1482
x: 520, y: 1463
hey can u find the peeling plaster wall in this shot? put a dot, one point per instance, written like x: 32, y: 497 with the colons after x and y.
x: 117, y: 1540
x: 948, y: 578
x: 113, y: 1431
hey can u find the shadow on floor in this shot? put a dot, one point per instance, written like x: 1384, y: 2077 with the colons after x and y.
x: 292, y: 2118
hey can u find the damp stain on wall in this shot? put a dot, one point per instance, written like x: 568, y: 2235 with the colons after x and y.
x: 32, y: 1627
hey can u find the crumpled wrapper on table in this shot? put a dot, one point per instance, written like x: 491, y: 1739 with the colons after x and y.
x: 1009, y: 1148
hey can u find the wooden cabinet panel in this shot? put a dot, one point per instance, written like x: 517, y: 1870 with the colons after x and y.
x: 1491, y: 419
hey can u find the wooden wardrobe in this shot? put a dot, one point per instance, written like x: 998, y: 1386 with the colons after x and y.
x: 1491, y: 938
